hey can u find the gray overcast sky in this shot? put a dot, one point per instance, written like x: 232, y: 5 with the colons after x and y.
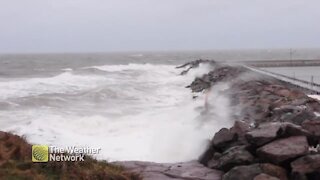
x: 126, y: 25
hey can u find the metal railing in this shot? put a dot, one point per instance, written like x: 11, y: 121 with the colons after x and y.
x: 311, y: 86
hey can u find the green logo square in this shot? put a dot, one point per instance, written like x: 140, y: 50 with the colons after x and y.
x: 40, y: 153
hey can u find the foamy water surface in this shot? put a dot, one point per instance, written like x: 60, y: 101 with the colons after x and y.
x: 132, y: 112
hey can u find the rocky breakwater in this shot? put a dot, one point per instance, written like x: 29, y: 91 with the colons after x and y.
x: 275, y: 135
x: 276, y: 131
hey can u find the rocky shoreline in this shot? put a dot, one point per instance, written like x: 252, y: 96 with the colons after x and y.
x: 275, y: 135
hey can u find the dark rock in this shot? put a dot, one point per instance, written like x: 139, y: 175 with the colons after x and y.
x: 306, y: 164
x: 234, y: 156
x: 221, y: 73
x: 193, y: 170
x: 263, y: 176
x: 243, y: 172
x: 263, y: 134
x: 313, y: 105
x: 298, y: 118
x: 207, y: 155
x: 289, y: 109
x: 283, y: 92
x: 289, y: 129
x: 274, y: 170
x: 284, y: 149
x: 267, y: 132
x: 222, y: 138
x: 196, y: 63
x: 199, y: 84
x: 240, y: 128
x: 221, y: 141
x: 312, y: 126
x: 213, y: 163
x: 176, y: 171
x: 300, y: 101
x: 252, y: 171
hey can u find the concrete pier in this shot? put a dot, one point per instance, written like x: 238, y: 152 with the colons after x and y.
x: 282, y: 63
x: 307, y: 87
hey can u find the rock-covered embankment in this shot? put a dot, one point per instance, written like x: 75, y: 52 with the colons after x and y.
x: 276, y: 132
x: 275, y: 135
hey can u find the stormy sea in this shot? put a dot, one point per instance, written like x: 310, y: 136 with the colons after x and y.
x: 134, y: 106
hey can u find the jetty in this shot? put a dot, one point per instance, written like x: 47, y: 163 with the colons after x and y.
x: 282, y: 63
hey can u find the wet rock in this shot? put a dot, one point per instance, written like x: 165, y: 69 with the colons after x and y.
x: 289, y: 129
x: 250, y: 172
x: 289, y: 109
x: 312, y: 126
x: 300, y: 117
x: 193, y: 170
x: 300, y: 101
x: 271, y: 114
x: 199, y: 84
x: 234, y: 156
x: 267, y: 132
x: 222, y: 73
x: 263, y: 134
x: 240, y: 128
x: 275, y: 171
x: 223, y: 138
x: 213, y: 163
x: 313, y: 105
x: 196, y: 63
x: 182, y: 171
x: 207, y: 155
x: 263, y: 176
x: 306, y: 164
x: 284, y: 149
x: 243, y: 172
x: 283, y: 92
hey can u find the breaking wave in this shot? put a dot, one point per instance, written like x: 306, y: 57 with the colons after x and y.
x: 133, y: 112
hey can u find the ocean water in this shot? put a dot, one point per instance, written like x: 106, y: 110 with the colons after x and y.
x: 134, y: 106
x: 134, y: 111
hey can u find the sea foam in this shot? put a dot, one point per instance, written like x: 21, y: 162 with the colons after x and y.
x: 138, y: 112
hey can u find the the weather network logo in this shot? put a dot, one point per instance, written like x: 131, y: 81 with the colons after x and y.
x: 40, y: 153
x: 44, y: 153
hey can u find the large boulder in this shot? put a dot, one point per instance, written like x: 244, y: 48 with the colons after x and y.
x: 306, y: 164
x: 300, y: 117
x: 234, y: 156
x: 267, y: 132
x: 284, y: 149
x: 263, y: 134
x: 273, y: 170
x: 223, y: 138
x: 250, y: 172
x: 312, y: 126
x: 176, y: 171
x: 243, y: 172
x: 263, y: 176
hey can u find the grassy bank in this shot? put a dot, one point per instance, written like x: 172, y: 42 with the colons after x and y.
x: 15, y: 163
